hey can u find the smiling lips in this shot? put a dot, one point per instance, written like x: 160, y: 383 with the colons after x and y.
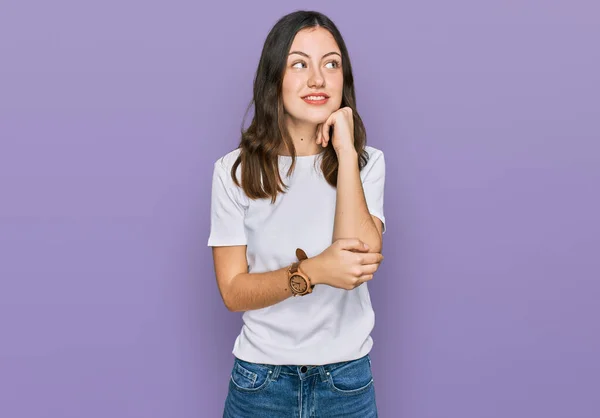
x: 316, y: 99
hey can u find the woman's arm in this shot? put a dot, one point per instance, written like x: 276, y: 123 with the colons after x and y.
x: 340, y: 265
x: 243, y: 291
x: 352, y: 217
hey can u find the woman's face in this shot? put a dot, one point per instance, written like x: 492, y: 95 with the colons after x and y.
x: 313, y: 81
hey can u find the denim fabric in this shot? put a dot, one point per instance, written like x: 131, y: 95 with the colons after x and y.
x: 343, y: 389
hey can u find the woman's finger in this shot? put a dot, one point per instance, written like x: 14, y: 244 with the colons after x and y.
x: 318, y: 134
x: 364, y: 278
x: 326, y: 125
x: 369, y: 268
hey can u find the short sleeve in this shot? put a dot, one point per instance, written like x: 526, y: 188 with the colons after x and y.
x: 227, y: 210
x: 373, y: 181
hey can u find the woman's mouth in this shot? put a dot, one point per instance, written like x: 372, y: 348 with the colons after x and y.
x: 316, y: 99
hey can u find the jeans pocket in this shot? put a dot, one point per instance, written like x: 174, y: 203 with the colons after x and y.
x: 352, y: 378
x: 250, y: 377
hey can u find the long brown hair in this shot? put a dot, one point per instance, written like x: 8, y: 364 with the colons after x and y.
x: 262, y: 140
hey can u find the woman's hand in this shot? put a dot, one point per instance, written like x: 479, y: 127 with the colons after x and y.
x: 343, y: 131
x: 345, y: 264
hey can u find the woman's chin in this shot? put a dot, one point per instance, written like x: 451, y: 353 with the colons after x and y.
x: 314, y: 117
x: 317, y: 118
x: 312, y: 121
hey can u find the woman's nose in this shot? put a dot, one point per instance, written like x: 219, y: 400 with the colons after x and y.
x: 316, y: 79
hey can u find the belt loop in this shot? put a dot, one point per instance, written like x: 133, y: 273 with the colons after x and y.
x: 324, y: 374
x: 275, y: 373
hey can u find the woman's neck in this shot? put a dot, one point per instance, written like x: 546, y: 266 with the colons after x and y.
x: 304, y: 137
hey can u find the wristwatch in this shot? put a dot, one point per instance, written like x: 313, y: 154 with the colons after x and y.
x: 300, y: 283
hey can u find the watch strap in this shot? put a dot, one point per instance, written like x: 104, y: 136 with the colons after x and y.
x: 295, y: 270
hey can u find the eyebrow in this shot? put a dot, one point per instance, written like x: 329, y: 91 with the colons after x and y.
x: 308, y: 56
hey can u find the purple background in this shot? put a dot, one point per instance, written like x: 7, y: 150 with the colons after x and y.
x: 112, y: 114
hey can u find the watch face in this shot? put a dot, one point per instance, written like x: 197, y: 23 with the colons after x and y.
x: 298, y: 284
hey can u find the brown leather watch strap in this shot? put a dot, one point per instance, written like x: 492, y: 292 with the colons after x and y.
x: 300, y: 254
x: 294, y: 269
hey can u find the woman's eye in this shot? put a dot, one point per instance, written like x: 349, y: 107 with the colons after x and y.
x: 297, y: 65
x: 333, y: 64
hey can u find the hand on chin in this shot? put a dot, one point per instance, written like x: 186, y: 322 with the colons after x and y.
x: 342, y: 137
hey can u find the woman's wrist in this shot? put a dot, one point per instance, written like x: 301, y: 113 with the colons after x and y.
x: 311, y: 267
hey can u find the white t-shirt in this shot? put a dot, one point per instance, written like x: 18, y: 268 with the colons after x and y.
x: 330, y: 324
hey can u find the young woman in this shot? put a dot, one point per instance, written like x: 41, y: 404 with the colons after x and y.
x: 302, y: 187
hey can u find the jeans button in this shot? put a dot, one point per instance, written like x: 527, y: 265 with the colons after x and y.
x: 303, y: 369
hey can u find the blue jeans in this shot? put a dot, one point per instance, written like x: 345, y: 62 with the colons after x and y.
x: 343, y: 389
